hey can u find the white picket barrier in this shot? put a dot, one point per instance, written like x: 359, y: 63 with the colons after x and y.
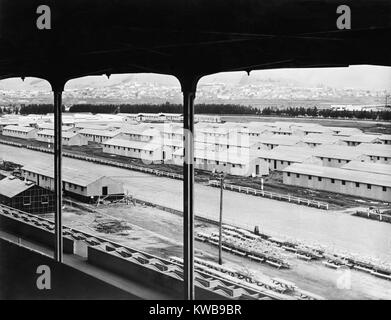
x: 272, y: 195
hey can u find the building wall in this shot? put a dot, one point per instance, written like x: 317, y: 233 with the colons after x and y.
x: 217, y: 147
x: 219, y: 166
x: 82, y: 192
x: 327, y: 184
x: 172, y: 136
x: 282, y: 133
x: 314, y: 144
x: 279, y: 165
x: 35, y: 200
x: 151, y: 117
x: 252, y: 167
x: 352, y: 143
x: 98, y: 138
x: 72, y: 188
x: 386, y: 141
x: 271, y: 146
x: 43, y: 182
x: 45, y: 138
x: 131, y: 117
x: 332, y: 162
x: 174, y: 117
x: 136, y: 137
x: 113, y: 187
x: 206, y: 118
x: 146, y: 155
x: 274, y: 164
x: 380, y: 159
x: 20, y: 134
x: 169, y: 150
x: 177, y: 160
x: 77, y: 140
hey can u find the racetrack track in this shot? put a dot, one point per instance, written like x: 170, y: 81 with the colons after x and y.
x: 336, y: 230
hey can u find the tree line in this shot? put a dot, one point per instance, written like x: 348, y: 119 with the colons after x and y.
x: 164, y: 108
x: 327, y: 113
x: 7, y: 110
x: 38, y: 109
x: 215, y: 109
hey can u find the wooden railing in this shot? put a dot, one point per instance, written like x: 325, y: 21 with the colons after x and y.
x: 272, y: 195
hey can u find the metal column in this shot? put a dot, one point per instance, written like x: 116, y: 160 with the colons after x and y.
x: 58, y: 251
x: 188, y: 190
x: 221, y: 220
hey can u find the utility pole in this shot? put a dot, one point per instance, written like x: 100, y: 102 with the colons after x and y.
x: 221, y: 176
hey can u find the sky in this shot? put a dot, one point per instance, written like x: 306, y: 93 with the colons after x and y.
x: 357, y: 77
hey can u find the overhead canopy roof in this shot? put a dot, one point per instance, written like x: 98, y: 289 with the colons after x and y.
x: 196, y: 37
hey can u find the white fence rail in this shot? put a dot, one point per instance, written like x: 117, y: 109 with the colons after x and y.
x: 272, y: 195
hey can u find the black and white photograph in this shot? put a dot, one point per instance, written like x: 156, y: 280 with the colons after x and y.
x: 195, y: 150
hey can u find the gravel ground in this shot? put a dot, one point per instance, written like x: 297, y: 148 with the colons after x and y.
x: 160, y: 233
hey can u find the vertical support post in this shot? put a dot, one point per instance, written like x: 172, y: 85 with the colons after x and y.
x: 221, y: 220
x: 189, y: 89
x: 58, y: 249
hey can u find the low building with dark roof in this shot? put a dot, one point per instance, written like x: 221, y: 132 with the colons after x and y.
x: 26, y: 195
